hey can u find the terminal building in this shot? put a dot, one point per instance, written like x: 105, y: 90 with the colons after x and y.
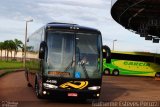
x: 139, y: 16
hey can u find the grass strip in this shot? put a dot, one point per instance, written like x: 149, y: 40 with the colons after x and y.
x: 10, y: 65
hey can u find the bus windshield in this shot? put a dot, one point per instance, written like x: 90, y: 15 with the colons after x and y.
x: 73, y: 55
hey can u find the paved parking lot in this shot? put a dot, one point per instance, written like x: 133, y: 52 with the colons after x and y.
x: 124, y: 88
x: 120, y: 90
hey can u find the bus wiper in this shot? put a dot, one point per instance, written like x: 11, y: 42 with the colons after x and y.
x: 84, y: 69
x: 83, y: 62
x: 69, y: 66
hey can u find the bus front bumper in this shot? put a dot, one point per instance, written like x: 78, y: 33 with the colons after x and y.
x: 84, y: 94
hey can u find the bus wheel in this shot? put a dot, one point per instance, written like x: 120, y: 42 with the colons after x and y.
x: 115, y: 72
x: 107, y: 71
x: 26, y: 74
x: 157, y: 74
x: 37, y: 90
x: 29, y: 85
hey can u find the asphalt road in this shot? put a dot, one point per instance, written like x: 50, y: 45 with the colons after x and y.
x: 14, y: 92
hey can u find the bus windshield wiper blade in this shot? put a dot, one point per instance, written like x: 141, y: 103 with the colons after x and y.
x: 84, y: 69
x: 69, y: 66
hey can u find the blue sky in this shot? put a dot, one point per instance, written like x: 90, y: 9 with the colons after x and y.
x: 91, y: 13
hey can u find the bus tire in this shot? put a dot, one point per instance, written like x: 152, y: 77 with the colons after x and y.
x: 29, y: 85
x: 157, y: 74
x: 115, y: 72
x: 26, y: 74
x: 106, y: 71
x: 37, y: 90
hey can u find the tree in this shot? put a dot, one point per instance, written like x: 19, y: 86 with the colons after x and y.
x: 6, y: 48
x: 11, y: 47
x: 18, y: 44
x: 1, y: 48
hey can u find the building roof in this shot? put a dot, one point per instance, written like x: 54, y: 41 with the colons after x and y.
x: 139, y: 16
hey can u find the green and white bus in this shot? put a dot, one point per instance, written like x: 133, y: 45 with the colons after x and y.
x: 133, y: 63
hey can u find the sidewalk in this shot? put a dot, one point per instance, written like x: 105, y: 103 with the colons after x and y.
x: 3, y: 72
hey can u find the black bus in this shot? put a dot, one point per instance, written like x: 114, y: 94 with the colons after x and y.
x: 65, y: 60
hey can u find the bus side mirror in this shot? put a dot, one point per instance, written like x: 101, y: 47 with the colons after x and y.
x: 42, y: 50
x: 107, y: 54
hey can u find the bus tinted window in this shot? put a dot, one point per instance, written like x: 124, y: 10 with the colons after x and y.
x: 157, y: 60
x: 132, y: 57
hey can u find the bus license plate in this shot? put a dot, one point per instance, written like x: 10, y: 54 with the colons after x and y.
x: 72, y: 94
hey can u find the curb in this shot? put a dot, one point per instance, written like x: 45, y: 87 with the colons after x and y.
x: 2, y: 73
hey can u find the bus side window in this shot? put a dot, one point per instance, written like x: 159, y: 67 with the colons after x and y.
x: 107, y: 54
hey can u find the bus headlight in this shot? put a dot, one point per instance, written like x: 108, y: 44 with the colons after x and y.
x: 44, y: 92
x: 94, y: 88
x: 98, y: 95
x: 46, y: 85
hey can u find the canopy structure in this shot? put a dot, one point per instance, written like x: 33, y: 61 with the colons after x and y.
x: 139, y: 16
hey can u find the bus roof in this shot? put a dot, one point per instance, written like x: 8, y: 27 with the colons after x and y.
x: 70, y: 26
x: 137, y: 53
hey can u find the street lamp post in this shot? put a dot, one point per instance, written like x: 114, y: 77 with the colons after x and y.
x: 113, y: 43
x: 31, y: 20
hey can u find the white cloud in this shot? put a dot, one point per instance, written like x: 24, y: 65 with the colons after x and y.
x: 92, y: 13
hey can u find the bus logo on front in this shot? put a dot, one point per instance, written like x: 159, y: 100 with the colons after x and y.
x: 74, y: 84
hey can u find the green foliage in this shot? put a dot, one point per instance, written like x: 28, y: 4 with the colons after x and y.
x: 10, y: 65
x: 10, y: 46
x: 18, y: 44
